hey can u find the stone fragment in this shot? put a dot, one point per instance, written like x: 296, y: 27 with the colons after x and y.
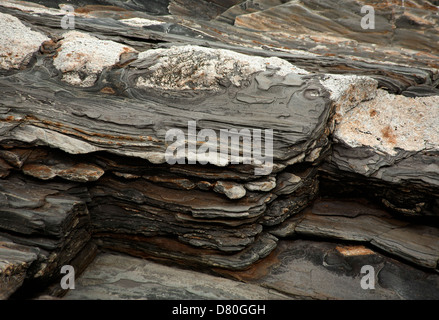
x: 263, y: 185
x: 383, y: 139
x: 15, y: 260
x: 80, y: 172
x: 230, y: 189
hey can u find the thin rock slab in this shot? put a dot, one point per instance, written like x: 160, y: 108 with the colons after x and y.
x: 354, y: 221
x: 122, y: 277
x: 168, y: 249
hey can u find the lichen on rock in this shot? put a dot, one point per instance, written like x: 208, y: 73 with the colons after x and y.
x: 17, y: 42
x: 198, y: 68
x: 81, y: 57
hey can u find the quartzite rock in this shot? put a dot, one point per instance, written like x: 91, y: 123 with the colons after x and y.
x: 84, y: 116
x: 391, y: 140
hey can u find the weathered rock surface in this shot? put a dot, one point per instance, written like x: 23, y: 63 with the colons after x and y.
x: 85, y: 117
x: 392, y: 141
x: 15, y: 261
x: 353, y: 221
x: 17, y: 42
x: 118, y: 277
x: 304, y: 269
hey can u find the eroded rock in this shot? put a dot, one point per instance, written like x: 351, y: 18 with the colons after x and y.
x: 81, y: 57
x: 17, y: 42
x: 83, y: 140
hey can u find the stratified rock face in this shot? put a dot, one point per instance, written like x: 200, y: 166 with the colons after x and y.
x: 43, y: 226
x: 204, y: 139
x: 211, y: 214
x: 16, y: 260
x: 353, y: 221
x: 153, y: 281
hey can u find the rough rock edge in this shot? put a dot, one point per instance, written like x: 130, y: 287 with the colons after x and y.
x: 17, y: 42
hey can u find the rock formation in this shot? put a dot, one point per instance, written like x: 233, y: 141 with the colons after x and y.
x: 147, y: 131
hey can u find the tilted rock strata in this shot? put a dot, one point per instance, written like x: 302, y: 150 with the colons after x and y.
x: 83, y: 136
x: 215, y: 209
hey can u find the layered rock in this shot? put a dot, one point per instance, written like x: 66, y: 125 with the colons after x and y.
x: 357, y: 222
x: 306, y: 269
x: 137, y: 202
x: 149, y: 280
x: 113, y: 134
x: 43, y: 227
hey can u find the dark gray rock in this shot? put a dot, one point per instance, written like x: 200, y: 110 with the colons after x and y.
x: 120, y: 277
x: 305, y: 269
x: 354, y: 221
x: 84, y: 115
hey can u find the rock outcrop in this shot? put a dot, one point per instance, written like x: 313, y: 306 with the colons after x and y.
x: 204, y: 137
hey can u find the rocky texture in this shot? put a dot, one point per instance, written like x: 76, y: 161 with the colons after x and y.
x: 389, y: 140
x: 173, y: 69
x: 80, y: 53
x: 206, y: 208
x: 365, y: 223
x: 119, y: 277
x: 85, y: 117
x: 16, y: 260
x: 43, y: 226
x: 304, y: 269
x: 17, y: 42
x: 296, y: 269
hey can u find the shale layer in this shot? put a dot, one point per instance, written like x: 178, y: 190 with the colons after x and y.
x: 202, y: 137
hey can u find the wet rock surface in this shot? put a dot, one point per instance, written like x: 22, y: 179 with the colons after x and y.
x: 85, y: 116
